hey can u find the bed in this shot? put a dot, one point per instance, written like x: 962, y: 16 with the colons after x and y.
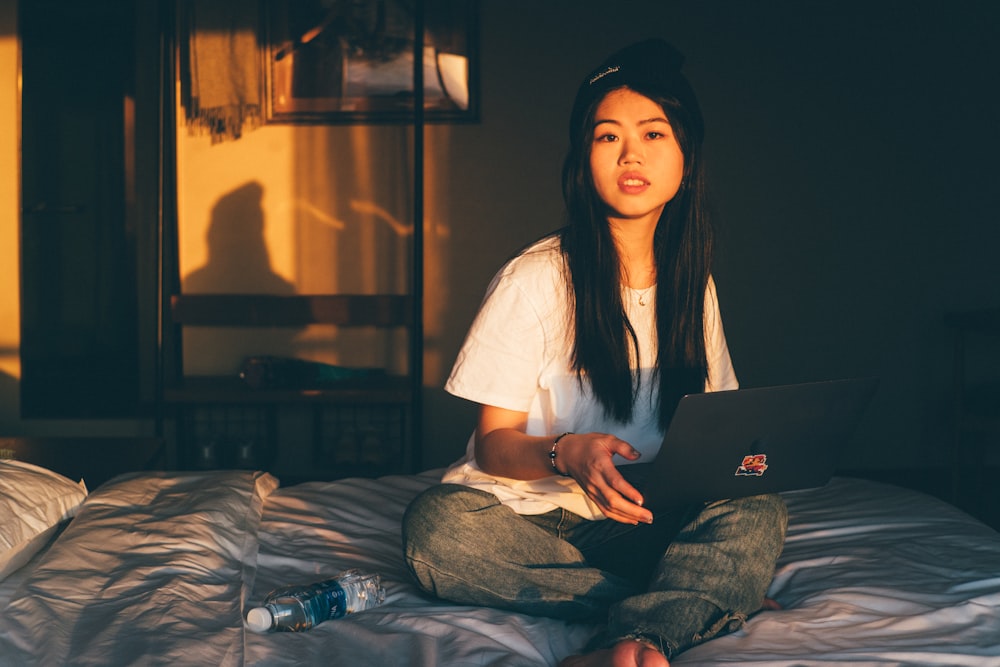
x: 160, y: 568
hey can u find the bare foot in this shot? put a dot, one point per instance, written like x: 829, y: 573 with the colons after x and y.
x: 626, y: 653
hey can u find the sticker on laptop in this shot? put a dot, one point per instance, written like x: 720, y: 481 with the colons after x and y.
x: 753, y: 465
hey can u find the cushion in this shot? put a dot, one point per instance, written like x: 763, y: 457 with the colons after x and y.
x: 34, y: 501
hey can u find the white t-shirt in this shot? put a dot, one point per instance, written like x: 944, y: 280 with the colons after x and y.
x: 518, y: 356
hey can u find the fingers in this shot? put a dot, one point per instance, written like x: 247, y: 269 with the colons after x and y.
x: 589, y: 458
x: 617, y: 499
x: 624, y: 450
x: 622, y: 509
x: 631, y: 518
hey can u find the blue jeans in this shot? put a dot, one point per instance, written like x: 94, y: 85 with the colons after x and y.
x: 697, y: 572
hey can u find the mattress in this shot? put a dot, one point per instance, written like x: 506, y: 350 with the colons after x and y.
x: 161, y: 569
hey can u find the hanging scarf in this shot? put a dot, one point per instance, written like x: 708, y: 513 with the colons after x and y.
x: 220, y: 67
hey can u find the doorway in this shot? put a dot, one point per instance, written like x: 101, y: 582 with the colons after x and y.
x: 79, y: 271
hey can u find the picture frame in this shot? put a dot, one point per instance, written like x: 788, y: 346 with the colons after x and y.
x: 344, y: 61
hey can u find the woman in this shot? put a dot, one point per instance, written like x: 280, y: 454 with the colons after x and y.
x: 584, y: 344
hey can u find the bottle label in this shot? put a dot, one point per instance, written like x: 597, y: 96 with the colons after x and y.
x: 298, y: 608
x: 338, y: 601
x: 301, y: 609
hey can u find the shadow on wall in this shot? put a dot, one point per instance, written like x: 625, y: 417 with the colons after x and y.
x: 238, y: 263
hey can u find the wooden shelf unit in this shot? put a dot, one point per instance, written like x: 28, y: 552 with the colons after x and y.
x: 359, y: 425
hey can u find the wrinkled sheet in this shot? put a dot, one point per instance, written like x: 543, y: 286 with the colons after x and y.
x: 155, y: 569
x: 874, y: 575
x: 871, y: 574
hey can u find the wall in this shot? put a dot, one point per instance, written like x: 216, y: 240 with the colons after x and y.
x: 851, y: 154
x: 306, y: 210
x: 10, y: 320
x: 849, y: 149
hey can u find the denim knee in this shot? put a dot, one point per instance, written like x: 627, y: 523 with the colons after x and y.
x: 752, y: 534
x: 430, y: 529
x: 767, y: 517
x: 712, y: 577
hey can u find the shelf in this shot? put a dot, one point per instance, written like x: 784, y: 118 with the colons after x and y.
x: 207, y: 390
x: 266, y: 310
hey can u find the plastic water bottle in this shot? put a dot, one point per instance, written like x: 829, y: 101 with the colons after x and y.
x: 299, y: 608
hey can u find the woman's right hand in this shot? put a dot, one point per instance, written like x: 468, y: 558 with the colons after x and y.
x: 587, y: 458
x: 503, y: 448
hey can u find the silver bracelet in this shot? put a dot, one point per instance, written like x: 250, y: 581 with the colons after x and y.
x: 553, y: 453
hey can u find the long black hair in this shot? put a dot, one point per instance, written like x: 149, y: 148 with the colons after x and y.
x: 682, y: 247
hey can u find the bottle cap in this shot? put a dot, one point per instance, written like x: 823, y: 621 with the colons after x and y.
x: 259, y: 619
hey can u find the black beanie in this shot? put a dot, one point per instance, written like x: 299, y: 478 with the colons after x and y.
x: 652, y: 66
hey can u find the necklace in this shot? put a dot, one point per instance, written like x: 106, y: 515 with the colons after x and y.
x: 641, y: 294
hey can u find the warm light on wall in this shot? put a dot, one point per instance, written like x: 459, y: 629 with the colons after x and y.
x: 311, y: 210
x: 10, y: 338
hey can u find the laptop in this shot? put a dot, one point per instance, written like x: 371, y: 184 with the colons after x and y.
x: 744, y: 442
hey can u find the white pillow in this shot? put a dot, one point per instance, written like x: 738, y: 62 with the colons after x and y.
x: 33, y: 502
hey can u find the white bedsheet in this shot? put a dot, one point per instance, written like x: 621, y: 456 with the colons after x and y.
x: 874, y: 575
x: 871, y: 575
